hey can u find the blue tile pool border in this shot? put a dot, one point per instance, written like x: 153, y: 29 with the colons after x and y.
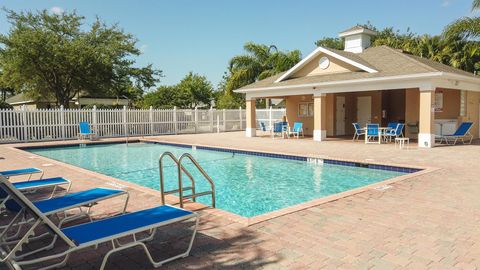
x: 295, y: 157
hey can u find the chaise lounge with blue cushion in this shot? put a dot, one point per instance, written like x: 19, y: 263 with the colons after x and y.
x: 462, y: 133
x: 24, y: 171
x: 126, y: 227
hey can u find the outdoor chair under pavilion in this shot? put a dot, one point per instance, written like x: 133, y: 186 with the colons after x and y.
x: 85, y: 131
x: 372, y: 133
x: 396, y: 132
x: 109, y: 230
x: 297, y: 130
x: 462, y: 133
x: 359, y: 131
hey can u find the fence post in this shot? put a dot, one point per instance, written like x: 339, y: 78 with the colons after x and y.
x: 211, y: 119
x: 270, y: 120
x: 150, y: 118
x: 218, y: 123
x: 241, y: 117
x: 24, y: 119
x: 62, y: 121
x: 124, y: 113
x: 175, y: 120
x: 94, y: 120
x: 224, y: 120
x: 196, y: 119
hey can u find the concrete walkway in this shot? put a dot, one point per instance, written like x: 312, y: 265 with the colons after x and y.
x: 426, y: 222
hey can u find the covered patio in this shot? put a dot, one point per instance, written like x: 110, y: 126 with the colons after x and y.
x: 330, y: 89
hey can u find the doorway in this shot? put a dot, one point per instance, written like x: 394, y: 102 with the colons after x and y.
x: 364, y: 110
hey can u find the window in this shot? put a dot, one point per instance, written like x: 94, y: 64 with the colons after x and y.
x: 305, y: 109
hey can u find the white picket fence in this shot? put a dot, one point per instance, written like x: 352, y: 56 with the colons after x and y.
x: 63, y: 124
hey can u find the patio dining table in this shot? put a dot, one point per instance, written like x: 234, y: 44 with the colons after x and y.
x: 381, y: 133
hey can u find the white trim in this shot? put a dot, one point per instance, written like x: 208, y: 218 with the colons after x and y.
x: 319, y: 135
x: 430, y: 80
x: 426, y: 140
x: 314, y: 54
x: 250, y: 132
x: 365, y: 31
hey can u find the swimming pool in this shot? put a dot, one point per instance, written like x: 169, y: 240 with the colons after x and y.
x: 247, y: 185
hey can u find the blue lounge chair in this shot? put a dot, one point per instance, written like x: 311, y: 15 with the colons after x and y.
x: 109, y: 230
x: 462, y: 133
x: 24, y: 171
x: 372, y: 133
x: 391, y: 126
x: 358, y: 131
x: 85, y: 131
x: 54, y: 182
x: 397, y: 132
x: 297, y: 129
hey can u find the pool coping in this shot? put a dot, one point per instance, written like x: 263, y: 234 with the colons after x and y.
x: 121, y: 184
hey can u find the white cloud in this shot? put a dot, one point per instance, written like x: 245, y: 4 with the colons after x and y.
x: 57, y: 10
x: 446, y: 3
x: 143, y: 48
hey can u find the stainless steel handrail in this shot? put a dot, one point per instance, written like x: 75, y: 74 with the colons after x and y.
x: 202, y: 171
x: 162, y: 185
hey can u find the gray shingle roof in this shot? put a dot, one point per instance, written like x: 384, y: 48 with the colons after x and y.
x: 387, y: 61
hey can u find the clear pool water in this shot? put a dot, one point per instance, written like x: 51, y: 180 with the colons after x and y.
x: 246, y: 185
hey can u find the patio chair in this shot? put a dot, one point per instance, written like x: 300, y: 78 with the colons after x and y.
x: 85, y: 131
x: 392, y: 126
x: 109, y: 230
x: 372, y: 133
x: 24, y: 171
x: 358, y: 131
x: 462, y: 133
x: 397, y: 132
x: 278, y: 128
x: 297, y: 129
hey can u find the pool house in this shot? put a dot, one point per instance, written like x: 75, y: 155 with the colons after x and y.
x: 331, y: 89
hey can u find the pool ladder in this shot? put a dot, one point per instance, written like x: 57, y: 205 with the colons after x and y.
x: 181, y: 170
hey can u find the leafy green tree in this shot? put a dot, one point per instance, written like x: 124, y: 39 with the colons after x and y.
x: 165, y: 97
x: 329, y: 42
x: 53, y: 56
x: 192, y: 91
x: 4, y: 105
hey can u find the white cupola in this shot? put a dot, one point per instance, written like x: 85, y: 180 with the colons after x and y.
x: 357, y: 38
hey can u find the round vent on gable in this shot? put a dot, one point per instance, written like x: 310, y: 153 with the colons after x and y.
x: 324, y: 62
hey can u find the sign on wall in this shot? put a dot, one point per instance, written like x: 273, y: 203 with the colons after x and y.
x: 438, y: 102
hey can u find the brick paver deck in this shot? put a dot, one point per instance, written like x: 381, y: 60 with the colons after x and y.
x: 426, y: 222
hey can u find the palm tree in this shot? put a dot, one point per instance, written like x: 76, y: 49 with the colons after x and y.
x: 259, y: 62
x: 466, y: 27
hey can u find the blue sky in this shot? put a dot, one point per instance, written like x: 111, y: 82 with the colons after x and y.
x: 179, y: 36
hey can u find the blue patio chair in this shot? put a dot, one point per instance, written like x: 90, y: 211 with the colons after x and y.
x: 297, y: 129
x: 85, y: 131
x: 391, y: 126
x: 397, y: 132
x: 109, y: 230
x: 278, y: 129
x: 24, y: 171
x: 372, y: 133
x: 359, y: 131
x: 462, y: 133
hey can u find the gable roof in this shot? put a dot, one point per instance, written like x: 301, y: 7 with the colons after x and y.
x: 347, y: 57
x: 387, y: 62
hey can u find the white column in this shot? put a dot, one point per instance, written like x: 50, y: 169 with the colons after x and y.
x: 426, y: 135
x: 320, y: 117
